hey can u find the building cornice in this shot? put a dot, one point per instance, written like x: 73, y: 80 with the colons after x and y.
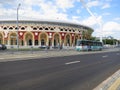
x: 60, y: 23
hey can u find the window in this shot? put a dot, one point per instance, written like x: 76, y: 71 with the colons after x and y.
x: 51, y: 29
x: 34, y: 28
x: 46, y: 28
x: 40, y: 29
x: 61, y: 29
x: 5, y: 28
x: 22, y: 28
x: 0, y: 41
x: 16, y: 28
x: 36, y: 42
x: 22, y: 42
x: 65, y: 29
x: 30, y: 42
x: 10, y: 28
x: 42, y: 42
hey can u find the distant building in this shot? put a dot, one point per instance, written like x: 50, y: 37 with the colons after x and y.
x: 42, y: 33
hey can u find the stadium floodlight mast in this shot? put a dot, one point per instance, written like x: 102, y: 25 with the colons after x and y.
x: 18, y: 26
x: 100, y: 24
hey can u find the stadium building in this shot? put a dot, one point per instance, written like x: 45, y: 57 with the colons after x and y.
x: 42, y: 33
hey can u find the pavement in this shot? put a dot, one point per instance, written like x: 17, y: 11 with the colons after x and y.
x: 25, y: 55
x: 112, y: 83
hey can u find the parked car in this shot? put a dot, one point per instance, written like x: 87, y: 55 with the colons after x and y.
x: 44, y: 47
x: 2, y: 47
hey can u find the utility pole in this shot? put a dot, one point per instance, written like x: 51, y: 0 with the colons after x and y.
x: 17, y: 27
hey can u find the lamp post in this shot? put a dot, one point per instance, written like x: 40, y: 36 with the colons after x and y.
x: 17, y: 27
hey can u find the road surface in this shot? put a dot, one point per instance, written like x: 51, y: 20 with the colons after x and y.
x: 77, y: 72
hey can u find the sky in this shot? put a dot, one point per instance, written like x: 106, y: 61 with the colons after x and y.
x: 101, y: 15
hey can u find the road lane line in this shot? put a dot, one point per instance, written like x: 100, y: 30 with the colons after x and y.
x: 105, y: 56
x: 72, y: 62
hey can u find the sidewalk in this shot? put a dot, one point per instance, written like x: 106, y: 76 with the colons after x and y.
x: 112, y: 83
x: 24, y: 55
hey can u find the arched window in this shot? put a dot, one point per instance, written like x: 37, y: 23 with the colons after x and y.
x: 28, y: 39
x: 5, y: 28
x: 36, y: 42
x: 51, y: 29
x: 55, y: 44
x: 10, y: 28
x: 22, y: 42
x: 0, y: 41
x: 76, y: 38
x: 68, y: 40
x: 1, y: 38
x: 34, y: 28
x: 40, y: 29
x: 61, y: 29
x: 16, y: 28
x: 30, y: 42
x: 46, y: 28
x: 22, y: 28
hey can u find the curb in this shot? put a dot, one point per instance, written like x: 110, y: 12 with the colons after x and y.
x: 111, y: 83
x: 115, y: 85
x: 43, y: 54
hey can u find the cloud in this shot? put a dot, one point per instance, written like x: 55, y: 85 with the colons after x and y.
x: 65, y: 4
x: 108, y: 0
x: 107, y: 5
x: 57, y: 10
x: 106, y: 14
x: 111, y: 26
x: 117, y: 19
x: 109, y: 29
x: 91, y: 21
x: 93, y: 3
x: 28, y: 10
x: 78, y: 11
x: 7, y: 1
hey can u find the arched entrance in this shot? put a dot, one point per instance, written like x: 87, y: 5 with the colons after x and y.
x: 56, y: 40
x: 68, y: 40
x: 1, y: 39
x: 43, y: 39
x: 76, y: 38
x: 29, y: 39
x: 13, y: 39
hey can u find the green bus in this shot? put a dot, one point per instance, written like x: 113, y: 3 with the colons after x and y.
x: 88, y: 45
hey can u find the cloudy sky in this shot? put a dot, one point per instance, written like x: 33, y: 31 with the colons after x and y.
x: 105, y: 16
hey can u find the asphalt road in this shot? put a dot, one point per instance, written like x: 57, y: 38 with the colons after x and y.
x: 78, y: 72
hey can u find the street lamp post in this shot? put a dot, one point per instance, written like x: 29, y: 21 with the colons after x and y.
x: 17, y: 27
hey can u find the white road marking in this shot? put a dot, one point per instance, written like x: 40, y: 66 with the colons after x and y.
x: 72, y: 62
x: 105, y: 56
